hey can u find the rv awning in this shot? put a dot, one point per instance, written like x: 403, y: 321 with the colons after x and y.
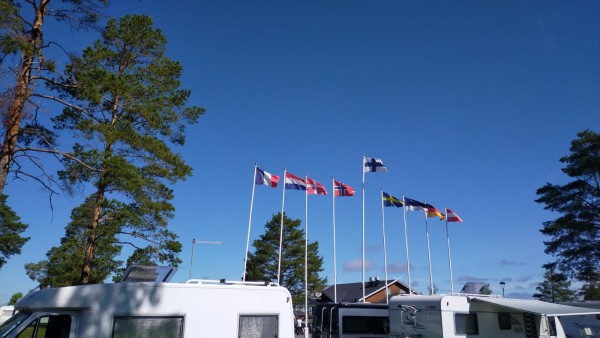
x: 536, y: 306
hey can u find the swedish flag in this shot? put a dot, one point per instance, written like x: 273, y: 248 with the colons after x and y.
x: 391, y: 201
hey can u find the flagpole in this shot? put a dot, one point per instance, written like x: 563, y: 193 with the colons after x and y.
x: 387, y: 292
x: 428, y: 253
x: 306, y: 254
x: 449, y: 256
x: 406, y: 240
x: 334, y: 251
x: 249, y: 222
x: 281, y: 229
x: 363, y: 229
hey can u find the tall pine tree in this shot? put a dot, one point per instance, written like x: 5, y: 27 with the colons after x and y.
x: 263, y: 262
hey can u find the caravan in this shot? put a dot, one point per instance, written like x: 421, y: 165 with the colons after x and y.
x: 137, y: 308
x: 347, y: 320
x: 460, y: 315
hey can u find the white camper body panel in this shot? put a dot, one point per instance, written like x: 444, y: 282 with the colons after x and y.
x: 201, y: 310
x: 6, y: 312
x: 453, y: 316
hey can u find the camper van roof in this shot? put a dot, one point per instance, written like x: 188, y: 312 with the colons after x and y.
x: 536, y: 306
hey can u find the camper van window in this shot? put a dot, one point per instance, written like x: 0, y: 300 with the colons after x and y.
x: 466, y: 323
x: 363, y: 324
x: 258, y: 326
x: 11, y: 323
x: 58, y: 326
x: 146, y: 327
x: 504, y: 321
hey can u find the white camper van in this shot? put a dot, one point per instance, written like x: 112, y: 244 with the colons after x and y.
x: 460, y: 315
x: 198, y: 308
x: 6, y: 312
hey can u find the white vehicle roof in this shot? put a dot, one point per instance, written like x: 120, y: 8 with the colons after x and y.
x: 536, y: 306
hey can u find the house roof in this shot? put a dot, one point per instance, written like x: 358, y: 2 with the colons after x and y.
x: 352, y: 292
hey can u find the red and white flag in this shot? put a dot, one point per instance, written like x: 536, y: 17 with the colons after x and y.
x: 342, y: 189
x: 452, y: 217
x: 314, y: 188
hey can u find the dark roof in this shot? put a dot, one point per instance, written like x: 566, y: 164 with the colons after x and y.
x: 352, y: 292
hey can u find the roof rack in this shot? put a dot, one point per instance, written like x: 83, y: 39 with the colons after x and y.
x: 222, y: 281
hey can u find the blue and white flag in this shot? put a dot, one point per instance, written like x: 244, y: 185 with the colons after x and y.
x: 372, y: 165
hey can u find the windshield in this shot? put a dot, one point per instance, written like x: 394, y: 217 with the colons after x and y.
x: 10, y: 324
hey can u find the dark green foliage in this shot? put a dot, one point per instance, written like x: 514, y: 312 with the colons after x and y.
x: 127, y: 111
x: 556, y: 287
x: 575, y: 234
x: 11, y: 228
x: 485, y: 290
x: 15, y: 297
x: 263, y: 263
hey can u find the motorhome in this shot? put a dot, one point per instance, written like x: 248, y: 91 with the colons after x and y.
x: 135, y: 308
x: 347, y: 320
x: 460, y: 315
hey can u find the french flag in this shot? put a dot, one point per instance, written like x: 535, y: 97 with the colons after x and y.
x: 294, y: 182
x: 265, y: 178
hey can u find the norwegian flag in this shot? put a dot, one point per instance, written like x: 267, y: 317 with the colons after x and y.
x: 341, y: 189
x: 452, y: 217
x: 314, y: 188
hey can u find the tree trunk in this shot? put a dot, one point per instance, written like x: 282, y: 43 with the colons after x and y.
x: 22, y: 93
x: 86, y: 269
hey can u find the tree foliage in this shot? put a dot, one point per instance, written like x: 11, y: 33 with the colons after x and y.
x: 556, y: 287
x: 263, y: 263
x: 126, y: 110
x: 575, y: 234
x: 10, y: 232
x: 15, y: 297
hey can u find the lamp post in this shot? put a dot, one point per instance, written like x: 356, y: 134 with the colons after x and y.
x: 502, y: 284
x: 194, y: 241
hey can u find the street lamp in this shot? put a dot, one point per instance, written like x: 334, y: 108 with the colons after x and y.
x: 194, y: 241
x: 502, y: 284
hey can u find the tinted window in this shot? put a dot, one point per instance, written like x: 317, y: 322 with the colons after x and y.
x: 364, y: 324
x: 147, y: 327
x: 58, y: 326
x: 504, y: 321
x: 258, y: 326
x: 466, y: 323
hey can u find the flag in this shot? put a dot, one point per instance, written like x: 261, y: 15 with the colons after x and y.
x: 315, y: 188
x: 452, y: 217
x: 341, y: 189
x: 413, y: 205
x: 373, y: 165
x: 265, y: 178
x: 433, y: 212
x: 391, y: 201
x: 294, y: 182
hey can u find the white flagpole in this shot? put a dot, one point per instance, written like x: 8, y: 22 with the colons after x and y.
x: 334, y: 251
x: 281, y: 229
x: 387, y: 292
x: 406, y: 240
x: 363, y: 229
x: 306, y: 256
x: 249, y: 222
x: 428, y: 253
x: 449, y: 256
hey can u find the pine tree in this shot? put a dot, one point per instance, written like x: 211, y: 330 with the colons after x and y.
x: 575, y: 234
x: 126, y: 110
x: 11, y: 227
x: 556, y: 287
x: 263, y: 263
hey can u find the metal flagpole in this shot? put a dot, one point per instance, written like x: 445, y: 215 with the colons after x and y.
x: 449, y: 256
x: 406, y: 240
x: 387, y: 291
x: 281, y: 229
x: 306, y: 256
x: 249, y: 223
x: 428, y: 253
x: 363, y: 229
x: 334, y: 258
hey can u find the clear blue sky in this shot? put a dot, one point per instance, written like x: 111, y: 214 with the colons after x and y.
x: 470, y: 104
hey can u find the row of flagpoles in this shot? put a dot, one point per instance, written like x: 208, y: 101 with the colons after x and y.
x: 312, y: 187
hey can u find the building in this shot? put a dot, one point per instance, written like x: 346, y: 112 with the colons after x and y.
x: 374, y: 291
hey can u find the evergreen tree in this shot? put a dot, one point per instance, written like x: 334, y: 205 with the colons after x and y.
x: 485, y: 290
x: 126, y: 109
x: 555, y: 287
x: 263, y: 263
x: 11, y: 227
x: 15, y: 297
x: 575, y: 234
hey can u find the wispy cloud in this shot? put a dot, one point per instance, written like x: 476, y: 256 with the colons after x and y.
x: 507, y: 262
x: 356, y: 265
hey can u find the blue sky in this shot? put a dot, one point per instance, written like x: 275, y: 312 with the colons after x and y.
x: 469, y: 104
